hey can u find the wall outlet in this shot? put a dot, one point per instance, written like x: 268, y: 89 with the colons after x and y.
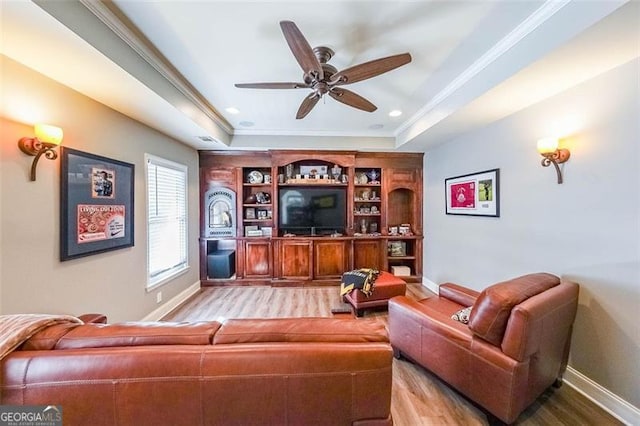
x: 159, y: 297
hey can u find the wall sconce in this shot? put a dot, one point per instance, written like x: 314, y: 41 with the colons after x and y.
x: 548, y: 148
x: 44, y: 143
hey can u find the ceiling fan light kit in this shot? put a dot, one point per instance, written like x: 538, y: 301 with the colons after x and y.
x: 323, y: 78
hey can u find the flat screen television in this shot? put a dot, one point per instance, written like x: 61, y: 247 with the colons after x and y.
x: 305, y: 210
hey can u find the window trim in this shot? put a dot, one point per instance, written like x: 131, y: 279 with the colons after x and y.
x: 164, y: 278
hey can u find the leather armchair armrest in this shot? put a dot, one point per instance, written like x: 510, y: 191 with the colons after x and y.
x: 425, y: 312
x: 459, y: 294
x: 409, y: 319
x: 325, y: 330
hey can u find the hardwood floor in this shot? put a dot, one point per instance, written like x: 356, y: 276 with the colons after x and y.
x: 419, y: 397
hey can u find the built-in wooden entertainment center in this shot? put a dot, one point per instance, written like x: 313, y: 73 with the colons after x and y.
x: 295, y: 217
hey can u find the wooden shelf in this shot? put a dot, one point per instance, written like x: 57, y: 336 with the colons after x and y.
x: 396, y: 197
x: 313, y: 182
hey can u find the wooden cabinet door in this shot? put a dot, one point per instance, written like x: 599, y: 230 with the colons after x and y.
x: 257, y: 259
x: 331, y: 259
x: 295, y: 259
x: 367, y: 254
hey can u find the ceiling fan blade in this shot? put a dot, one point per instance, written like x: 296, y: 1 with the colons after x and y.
x: 301, y: 49
x: 347, y: 97
x: 272, y: 85
x: 307, y: 105
x: 369, y: 69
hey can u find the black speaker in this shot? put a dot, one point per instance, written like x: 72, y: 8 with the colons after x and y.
x: 221, y: 264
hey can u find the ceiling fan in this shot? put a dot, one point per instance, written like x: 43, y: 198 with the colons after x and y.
x: 323, y: 78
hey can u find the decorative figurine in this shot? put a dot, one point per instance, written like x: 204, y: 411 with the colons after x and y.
x: 373, y: 175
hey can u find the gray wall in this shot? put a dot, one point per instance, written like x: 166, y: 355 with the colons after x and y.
x: 32, y: 279
x: 586, y: 229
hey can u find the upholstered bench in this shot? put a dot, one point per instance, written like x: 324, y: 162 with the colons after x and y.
x: 385, y: 287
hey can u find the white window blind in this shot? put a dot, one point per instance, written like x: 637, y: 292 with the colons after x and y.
x: 167, y: 221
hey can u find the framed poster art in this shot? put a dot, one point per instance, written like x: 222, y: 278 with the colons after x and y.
x: 314, y: 171
x: 96, y: 204
x: 476, y: 194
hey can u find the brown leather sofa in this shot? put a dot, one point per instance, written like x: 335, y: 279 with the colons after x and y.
x: 260, y: 372
x: 515, y: 345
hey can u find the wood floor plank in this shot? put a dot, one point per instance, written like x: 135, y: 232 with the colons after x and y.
x: 418, y: 396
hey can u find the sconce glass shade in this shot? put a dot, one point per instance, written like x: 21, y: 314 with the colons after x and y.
x: 45, y: 143
x: 547, y: 145
x: 48, y: 134
x: 551, y: 154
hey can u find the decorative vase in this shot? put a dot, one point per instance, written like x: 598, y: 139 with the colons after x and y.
x: 289, y: 171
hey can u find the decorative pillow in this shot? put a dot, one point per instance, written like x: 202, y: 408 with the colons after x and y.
x: 362, y: 279
x: 462, y: 315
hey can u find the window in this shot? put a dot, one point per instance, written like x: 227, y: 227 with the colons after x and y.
x: 167, y: 221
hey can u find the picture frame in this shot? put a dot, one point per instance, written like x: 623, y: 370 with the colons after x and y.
x: 314, y: 171
x: 404, y: 229
x: 96, y: 204
x: 475, y: 194
x: 397, y: 248
x: 250, y: 213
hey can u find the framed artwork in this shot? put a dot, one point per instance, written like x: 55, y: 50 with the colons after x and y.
x: 397, y: 248
x: 250, y: 213
x: 314, y: 171
x: 96, y: 204
x: 476, y: 194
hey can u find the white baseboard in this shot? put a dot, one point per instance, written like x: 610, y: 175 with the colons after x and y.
x: 608, y: 401
x: 431, y: 285
x: 170, y: 305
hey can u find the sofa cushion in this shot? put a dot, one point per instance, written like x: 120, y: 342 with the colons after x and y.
x: 300, y: 330
x: 138, y: 334
x: 492, y: 309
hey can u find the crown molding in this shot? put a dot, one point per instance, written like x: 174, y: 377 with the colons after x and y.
x: 537, y: 18
x: 113, y: 18
x: 321, y: 133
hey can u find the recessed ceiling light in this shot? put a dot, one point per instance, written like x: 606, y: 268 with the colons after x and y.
x: 376, y: 126
x: 246, y: 123
x: 232, y: 110
x: 395, y: 113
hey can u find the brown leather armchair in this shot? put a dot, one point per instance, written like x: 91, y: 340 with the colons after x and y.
x: 515, y: 345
